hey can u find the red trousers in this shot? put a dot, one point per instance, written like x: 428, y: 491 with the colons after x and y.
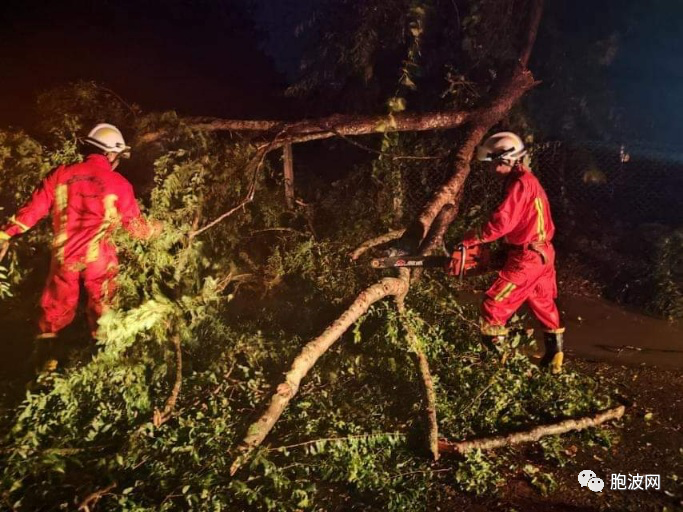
x: 60, y: 297
x: 526, y: 277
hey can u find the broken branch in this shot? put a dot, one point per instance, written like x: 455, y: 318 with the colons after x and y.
x: 374, y: 242
x: 423, y: 368
x: 308, y: 356
x: 256, y: 162
x: 481, y: 121
x: 490, y: 443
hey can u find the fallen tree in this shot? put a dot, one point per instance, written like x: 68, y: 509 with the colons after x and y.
x: 476, y: 124
x: 327, y: 127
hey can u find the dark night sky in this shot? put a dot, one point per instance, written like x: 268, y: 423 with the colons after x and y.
x: 648, y: 71
x: 201, y: 60
x: 161, y: 54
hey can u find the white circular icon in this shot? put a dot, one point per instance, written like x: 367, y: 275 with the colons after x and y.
x: 596, y: 484
x: 585, y: 476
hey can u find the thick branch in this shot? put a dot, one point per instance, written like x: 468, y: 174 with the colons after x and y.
x: 331, y: 126
x: 311, y: 352
x: 338, y: 124
x: 374, y: 242
x: 437, y: 231
x: 423, y: 368
x: 481, y: 121
x: 489, y: 443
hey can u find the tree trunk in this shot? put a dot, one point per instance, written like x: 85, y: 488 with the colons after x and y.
x: 288, y: 162
x: 520, y: 82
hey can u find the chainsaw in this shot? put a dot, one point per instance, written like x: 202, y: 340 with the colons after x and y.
x: 471, y: 261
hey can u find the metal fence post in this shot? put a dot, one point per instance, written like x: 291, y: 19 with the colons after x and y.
x: 289, y: 175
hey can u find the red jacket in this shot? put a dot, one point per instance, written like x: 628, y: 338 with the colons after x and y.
x: 522, y: 218
x: 88, y: 200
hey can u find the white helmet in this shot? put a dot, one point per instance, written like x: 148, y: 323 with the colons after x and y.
x: 506, y: 147
x: 108, y: 138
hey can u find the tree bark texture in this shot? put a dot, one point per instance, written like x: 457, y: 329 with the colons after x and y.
x: 374, y: 242
x: 327, y: 127
x: 288, y: 164
x: 308, y: 356
x: 490, y: 443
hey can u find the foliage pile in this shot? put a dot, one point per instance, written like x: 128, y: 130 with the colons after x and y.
x: 242, y: 298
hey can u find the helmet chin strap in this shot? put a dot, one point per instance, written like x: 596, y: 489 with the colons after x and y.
x: 114, y: 161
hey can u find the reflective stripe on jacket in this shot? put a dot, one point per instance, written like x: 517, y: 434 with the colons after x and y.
x: 87, y: 200
x: 524, y: 215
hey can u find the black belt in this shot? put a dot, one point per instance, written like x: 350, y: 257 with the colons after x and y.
x: 537, y: 247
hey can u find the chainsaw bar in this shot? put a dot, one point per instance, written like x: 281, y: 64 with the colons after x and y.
x: 410, y: 261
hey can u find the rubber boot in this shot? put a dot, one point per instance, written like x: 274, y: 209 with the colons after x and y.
x: 44, y: 360
x: 554, y: 355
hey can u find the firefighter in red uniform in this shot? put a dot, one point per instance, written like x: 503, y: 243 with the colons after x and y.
x: 87, y: 201
x: 524, y: 219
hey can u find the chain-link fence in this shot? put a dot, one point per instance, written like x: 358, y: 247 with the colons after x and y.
x: 591, y: 182
x: 586, y: 182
